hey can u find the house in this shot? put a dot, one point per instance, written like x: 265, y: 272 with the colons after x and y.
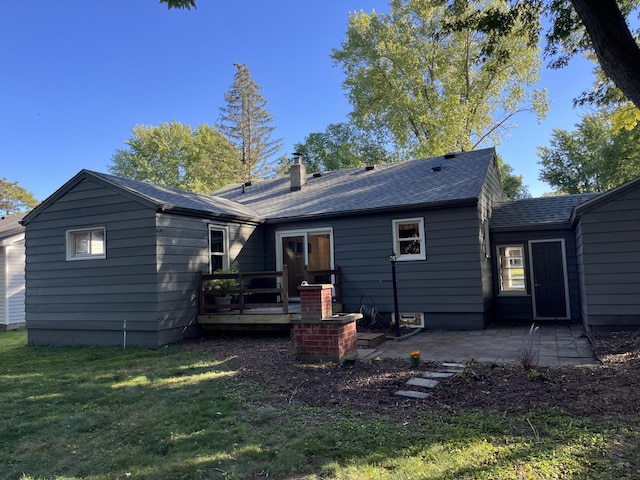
x: 107, y: 255
x: 12, y: 258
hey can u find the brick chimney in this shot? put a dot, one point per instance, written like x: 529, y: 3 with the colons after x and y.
x: 298, y: 172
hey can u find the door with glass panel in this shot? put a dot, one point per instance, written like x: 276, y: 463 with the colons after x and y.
x: 311, y: 248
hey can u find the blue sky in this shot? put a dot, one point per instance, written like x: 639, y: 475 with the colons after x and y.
x: 78, y: 75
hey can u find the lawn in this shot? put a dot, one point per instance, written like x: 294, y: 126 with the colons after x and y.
x: 190, y: 413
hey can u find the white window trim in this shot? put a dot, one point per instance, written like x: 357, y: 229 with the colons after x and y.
x: 511, y: 293
x: 226, y: 261
x: 299, y: 233
x: 396, y: 240
x: 70, y: 244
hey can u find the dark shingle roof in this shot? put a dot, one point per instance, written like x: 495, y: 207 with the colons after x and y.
x: 10, y: 225
x: 410, y: 183
x: 175, y: 198
x: 537, y: 211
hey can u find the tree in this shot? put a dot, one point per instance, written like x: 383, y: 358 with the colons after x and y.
x: 436, y: 88
x: 593, y: 158
x: 511, y: 183
x: 341, y: 146
x: 179, y: 4
x: 175, y: 155
x: 14, y: 198
x: 245, y: 120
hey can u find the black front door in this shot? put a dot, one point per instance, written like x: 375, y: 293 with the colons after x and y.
x: 548, y: 279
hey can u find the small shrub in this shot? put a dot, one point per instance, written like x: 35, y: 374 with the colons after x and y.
x: 528, y: 354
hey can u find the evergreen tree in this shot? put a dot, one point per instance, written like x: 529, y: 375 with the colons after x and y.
x: 245, y: 120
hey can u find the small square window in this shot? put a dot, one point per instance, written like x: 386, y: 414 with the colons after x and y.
x: 408, y: 239
x: 86, y: 244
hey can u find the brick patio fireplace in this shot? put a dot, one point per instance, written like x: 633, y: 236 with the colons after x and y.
x: 320, y: 336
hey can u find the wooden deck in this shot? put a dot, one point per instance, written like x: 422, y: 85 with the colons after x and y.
x: 259, y: 301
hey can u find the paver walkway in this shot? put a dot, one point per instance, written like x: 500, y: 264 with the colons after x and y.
x: 554, y: 343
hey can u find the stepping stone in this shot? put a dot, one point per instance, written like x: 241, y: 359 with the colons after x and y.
x: 452, y: 365
x: 422, y: 382
x: 438, y: 374
x: 412, y: 394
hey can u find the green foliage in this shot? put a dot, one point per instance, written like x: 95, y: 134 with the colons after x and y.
x: 433, y: 87
x: 179, y: 4
x: 512, y: 186
x: 593, y: 158
x: 183, y: 412
x: 246, y: 121
x: 175, y: 155
x: 14, y: 198
x: 341, y: 146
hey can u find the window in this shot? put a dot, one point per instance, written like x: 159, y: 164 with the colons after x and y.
x: 86, y: 244
x: 218, y: 249
x: 511, y: 267
x: 408, y: 239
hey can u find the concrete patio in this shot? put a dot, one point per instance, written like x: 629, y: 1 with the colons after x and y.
x: 554, y: 343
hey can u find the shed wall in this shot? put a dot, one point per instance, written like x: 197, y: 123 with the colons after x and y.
x: 609, y: 253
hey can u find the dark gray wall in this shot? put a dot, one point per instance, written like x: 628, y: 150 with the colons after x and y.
x: 519, y: 307
x: 149, y: 278
x: 183, y: 252
x: 608, y: 238
x: 86, y: 301
x: 447, y: 286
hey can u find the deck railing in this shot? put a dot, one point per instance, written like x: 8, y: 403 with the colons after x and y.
x: 252, y: 288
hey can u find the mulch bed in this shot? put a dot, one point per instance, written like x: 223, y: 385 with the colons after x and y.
x: 605, y: 390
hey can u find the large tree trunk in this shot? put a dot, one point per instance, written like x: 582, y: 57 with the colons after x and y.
x: 617, y: 51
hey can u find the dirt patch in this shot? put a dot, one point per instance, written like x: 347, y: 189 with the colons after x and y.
x: 609, y: 389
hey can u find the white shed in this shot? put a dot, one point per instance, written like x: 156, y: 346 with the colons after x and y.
x: 12, y: 283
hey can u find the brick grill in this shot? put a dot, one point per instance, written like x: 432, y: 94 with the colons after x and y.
x: 317, y: 334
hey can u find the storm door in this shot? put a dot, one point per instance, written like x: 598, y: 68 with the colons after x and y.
x: 549, y: 279
x: 300, y: 248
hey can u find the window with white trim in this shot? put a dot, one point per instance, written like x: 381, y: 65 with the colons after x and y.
x: 86, y: 244
x: 218, y: 249
x: 511, y: 269
x: 408, y: 239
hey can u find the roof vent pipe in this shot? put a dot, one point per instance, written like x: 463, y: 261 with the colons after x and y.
x: 298, y: 172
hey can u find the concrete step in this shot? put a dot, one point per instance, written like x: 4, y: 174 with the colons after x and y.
x: 369, y: 340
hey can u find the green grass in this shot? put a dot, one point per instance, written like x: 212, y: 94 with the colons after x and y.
x: 104, y: 413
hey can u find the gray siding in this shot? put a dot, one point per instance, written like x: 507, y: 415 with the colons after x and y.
x: 149, y: 278
x: 183, y: 252
x: 491, y: 193
x: 87, y: 301
x: 447, y: 286
x: 609, y: 238
x: 519, y: 307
